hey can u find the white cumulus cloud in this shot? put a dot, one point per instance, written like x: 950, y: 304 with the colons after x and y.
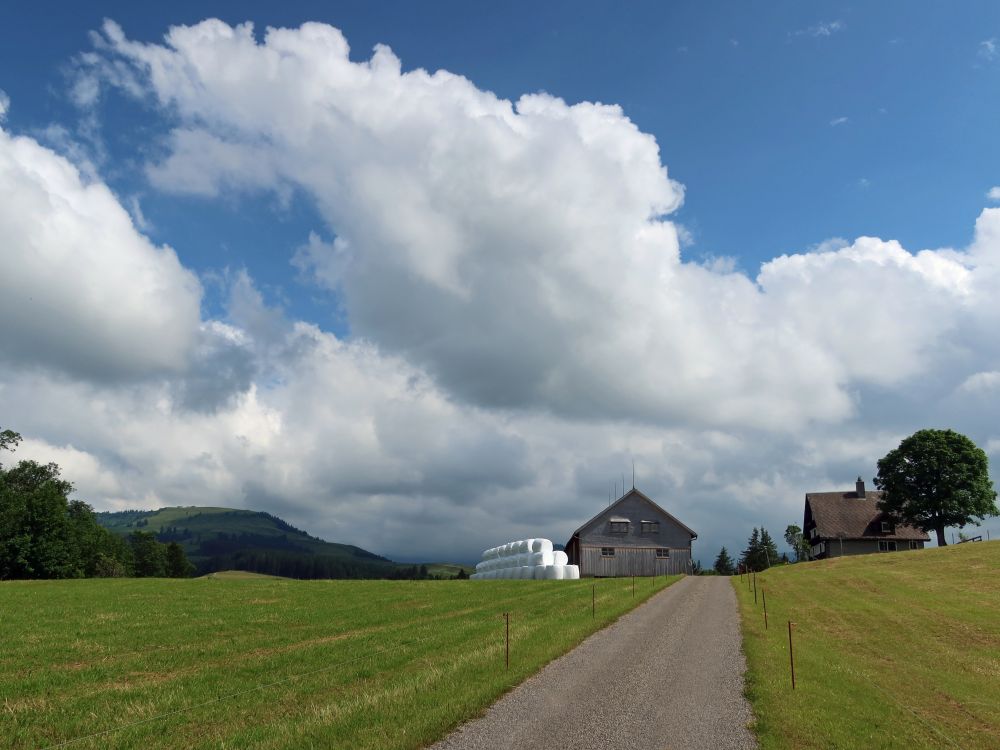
x: 81, y: 289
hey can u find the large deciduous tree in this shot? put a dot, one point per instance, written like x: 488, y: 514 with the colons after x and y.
x: 935, y: 479
x: 44, y: 534
x: 799, y: 544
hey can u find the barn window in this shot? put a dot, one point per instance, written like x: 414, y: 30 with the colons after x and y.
x: 619, y: 525
x: 661, y: 552
x: 886, y: 546
x: 650, y: 527
x: 916, y: 545
x: 607, y: 551
x: 887, y: 527
x: 813, y: 533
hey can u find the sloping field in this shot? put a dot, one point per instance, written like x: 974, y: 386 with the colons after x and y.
x: 891, y: 651
x: 275, y: 663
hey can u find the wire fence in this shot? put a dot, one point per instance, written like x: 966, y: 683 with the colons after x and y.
x: 752, y: 583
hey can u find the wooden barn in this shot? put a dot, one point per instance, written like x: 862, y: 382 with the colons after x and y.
x: 632, y: 537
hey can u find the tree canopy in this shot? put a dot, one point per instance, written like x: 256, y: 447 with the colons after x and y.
x: 761, y: 552
x: 936, y: 479
x: 724, y: 564
x: 798, y: 543
x: 44, y: 534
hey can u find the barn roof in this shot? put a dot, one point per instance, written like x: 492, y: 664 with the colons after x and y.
x: 854, y: 517
x: 628, y: 494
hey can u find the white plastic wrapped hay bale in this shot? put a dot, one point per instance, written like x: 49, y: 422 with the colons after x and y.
x: 522, y: 546
x: 540, y: 558
x: 560, y: 558
x: 541, y: 545
x: 558, y: 572
x: 572, y: 572
x: 549, y: 572
x: 526, y: 572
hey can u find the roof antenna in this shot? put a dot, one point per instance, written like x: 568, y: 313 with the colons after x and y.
x: 633, y: 473
x: 623, y: 484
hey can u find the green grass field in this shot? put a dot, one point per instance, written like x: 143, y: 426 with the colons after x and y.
x: 891, y: 651
x: 235, y: 661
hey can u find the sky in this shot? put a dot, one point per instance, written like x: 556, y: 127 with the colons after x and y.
x: 428, y: 277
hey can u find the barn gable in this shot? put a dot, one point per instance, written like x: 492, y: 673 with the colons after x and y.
x: 634, y: 507
x: 633, y: 536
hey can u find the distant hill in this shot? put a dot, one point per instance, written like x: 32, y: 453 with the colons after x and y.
x: 217, y: 539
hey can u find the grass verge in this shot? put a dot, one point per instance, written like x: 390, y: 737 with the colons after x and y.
x: 277, y: 663
x: 891, y: 651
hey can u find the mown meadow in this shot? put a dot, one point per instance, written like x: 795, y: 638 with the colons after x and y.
x: 252, y: 661
x: 894, y: 650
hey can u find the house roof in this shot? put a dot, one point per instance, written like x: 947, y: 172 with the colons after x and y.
x: 844, y: 513
x: 628, y: 494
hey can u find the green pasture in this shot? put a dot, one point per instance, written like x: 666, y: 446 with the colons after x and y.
x: 897, y: 650
x: 261, y: 662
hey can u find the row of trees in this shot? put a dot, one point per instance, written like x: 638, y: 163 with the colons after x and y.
x: 44, y: 534
x: 760, y: 554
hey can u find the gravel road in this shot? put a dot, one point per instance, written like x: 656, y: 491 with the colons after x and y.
x: 667, y: 675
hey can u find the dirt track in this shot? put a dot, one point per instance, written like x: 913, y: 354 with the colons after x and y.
x: 667, y: 675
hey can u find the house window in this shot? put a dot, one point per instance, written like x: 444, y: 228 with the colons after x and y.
x: 619, y: 526
x: 650, y: 527
x: 607, y: 551
x: 916, y: 545
x: 662, y: 552
x: 886, y: 546
x: 887, y: 527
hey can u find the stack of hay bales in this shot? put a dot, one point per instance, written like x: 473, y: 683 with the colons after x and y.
x: 526, y: 558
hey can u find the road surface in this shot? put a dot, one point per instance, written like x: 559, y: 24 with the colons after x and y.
x: 668, y: 675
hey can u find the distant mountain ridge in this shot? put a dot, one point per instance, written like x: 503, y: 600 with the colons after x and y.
x: 231, y: 539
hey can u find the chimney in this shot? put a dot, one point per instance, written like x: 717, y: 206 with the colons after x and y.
x: 859, y: 487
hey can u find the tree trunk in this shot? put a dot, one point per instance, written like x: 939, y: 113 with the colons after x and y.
x: 941, y: 540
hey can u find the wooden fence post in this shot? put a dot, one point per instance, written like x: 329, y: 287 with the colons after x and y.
x: 763, y: 596
x: 791, y: 656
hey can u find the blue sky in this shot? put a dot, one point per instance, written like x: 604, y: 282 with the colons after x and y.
x: 398, y: 299
x: 788, y: 123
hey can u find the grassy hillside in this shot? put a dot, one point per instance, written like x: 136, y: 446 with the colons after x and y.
x: 223, y: 538
x: 891, y: 651
x: 271, y: 663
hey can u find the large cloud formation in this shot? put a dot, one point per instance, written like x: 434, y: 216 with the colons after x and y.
x: 80, y: 288
x: 523, y: 323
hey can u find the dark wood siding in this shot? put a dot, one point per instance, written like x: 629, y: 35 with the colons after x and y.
x: 632, y: 561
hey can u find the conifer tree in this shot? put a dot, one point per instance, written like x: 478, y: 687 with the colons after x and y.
x: 769, y: 550
x: 723, y: 563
